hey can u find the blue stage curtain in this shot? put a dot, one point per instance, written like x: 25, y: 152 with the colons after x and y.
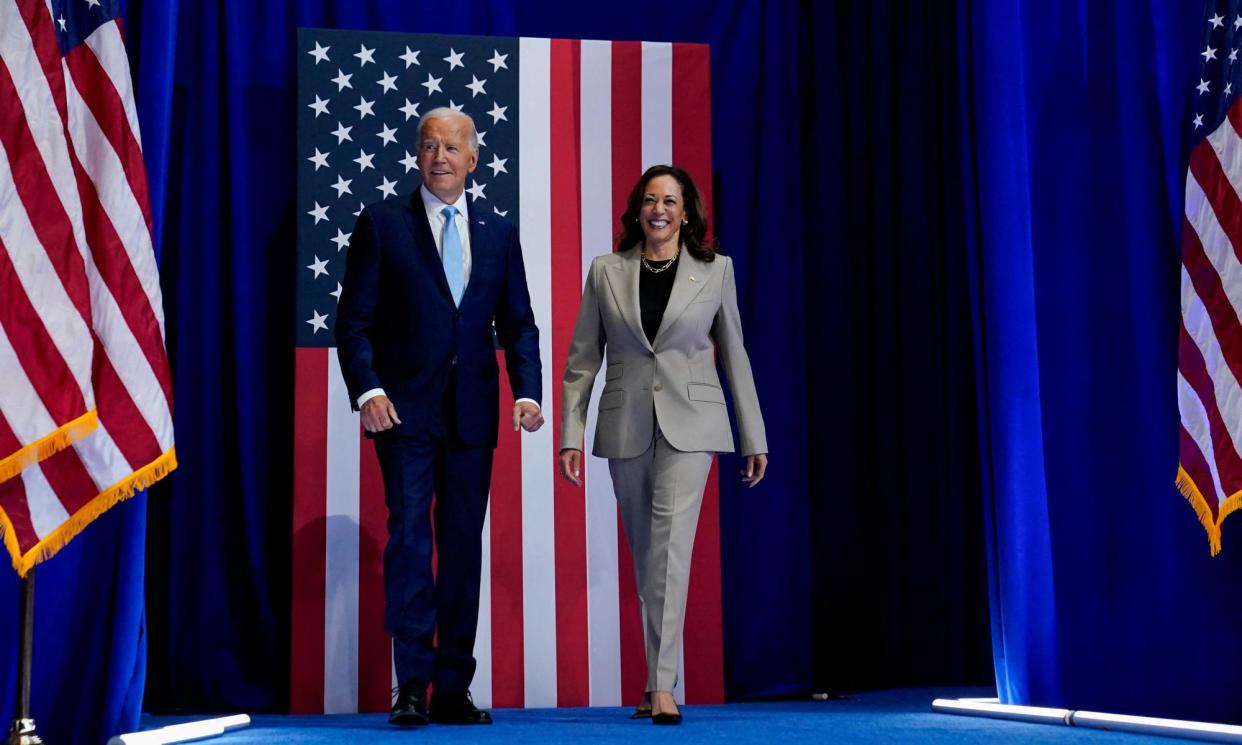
x: 1103, y: 593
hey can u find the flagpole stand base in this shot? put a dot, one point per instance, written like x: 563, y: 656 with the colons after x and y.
x: 23, y: 733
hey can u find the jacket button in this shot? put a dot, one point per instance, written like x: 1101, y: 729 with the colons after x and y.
x: 658, y: 387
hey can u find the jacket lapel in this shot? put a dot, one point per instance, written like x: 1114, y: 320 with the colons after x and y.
x: 425, y: 244
x: 692, y: 277
x: 623, y: 281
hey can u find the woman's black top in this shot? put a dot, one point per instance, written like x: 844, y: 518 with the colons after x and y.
x: 653, y: 292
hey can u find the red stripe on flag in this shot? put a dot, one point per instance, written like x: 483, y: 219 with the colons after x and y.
x: 508, y: 639
x: 692, y: 151
x: 1191, y: 459
x: 374, y: 644
x: 1193, y: 368
x: 627, y: 122
x: 692, y: 118
x: 100, y: 95
x: 71, y: 483
x: 627, y: 164
x: 17, y: 509
x: 1208, y: 287
x: 130, y: 431
x: 46, y: 369
x: 310, y: 506
x: 8, y: 441
x: 569, y: 516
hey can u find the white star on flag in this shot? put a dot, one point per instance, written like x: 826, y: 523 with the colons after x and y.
x: 498, y: 165
x: 319, y: 159
x: 432, y: 85
x: 1198, y: 120
x: 409, y: 161
x: 409, y: 109
x: 388, y: 135
x: 342, y: 186
x: 476, y: 191
x: 498, y: 112
x: 498, y: 60
x: 481, y: 136
x: 454, y: 59
x: 454, y: 105
x: 320, y: 106
x: 319, y: 213
x: 337, y: 293
x: 1208, y: 54
x: 1217, y: 21
x: 342, y: 80
x: 61, y: 21
x: 317, y: 321
x: 320, y: 266
x: 364, y: 160
x: 320, y: 53
x: 388, y: 82
x: 476, y: 87
x: 387, y: 188
x: 1203, y: 86
x: 342, y: 132
x: 410, y: 57
x: 498, y: 211
x: 364, y: 55
x: 341, y: 240
x: 365, y: 108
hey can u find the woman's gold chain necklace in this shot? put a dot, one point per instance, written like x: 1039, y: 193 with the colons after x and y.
x: 667, y: 262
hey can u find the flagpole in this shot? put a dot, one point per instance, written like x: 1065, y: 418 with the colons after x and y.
x: 23, y: 730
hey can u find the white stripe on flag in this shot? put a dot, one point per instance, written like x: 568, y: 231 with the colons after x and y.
x: 107, y: 173
x: 109, y: 49
x: 657, y: 103
x: 538, y: 526
x: 1225, y: 386
x: 603, y: 629
x: 1195, y: 420
x: 102, y: 459
x: 1216, y: 245
x: 342, y: 518
x: 46, y: 511
x: 481, y: 687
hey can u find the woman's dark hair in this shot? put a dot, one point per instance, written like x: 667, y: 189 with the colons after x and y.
x: 693, y: 233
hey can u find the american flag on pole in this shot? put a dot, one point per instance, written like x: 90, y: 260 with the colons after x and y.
x: 566, y: 128
x: 82, y: 354
x: 1209, y: 361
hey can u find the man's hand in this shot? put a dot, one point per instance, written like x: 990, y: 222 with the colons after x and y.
x: 756, y: 466
x: 571, y: 466
x: 527, y: 416
x: 378, y: 414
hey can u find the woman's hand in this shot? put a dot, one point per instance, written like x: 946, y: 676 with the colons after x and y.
x: 571, y: 466
x: 756, y: 466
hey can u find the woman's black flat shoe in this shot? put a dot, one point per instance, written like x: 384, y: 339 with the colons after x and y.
x: 641, y: 712
x: 665, y: 718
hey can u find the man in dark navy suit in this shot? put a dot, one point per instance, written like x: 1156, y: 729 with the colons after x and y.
x: 427, y: 279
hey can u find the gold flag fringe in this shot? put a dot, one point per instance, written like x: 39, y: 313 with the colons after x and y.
x: 49, y: 444
x: 57, y: 539
x: 1190, y: 491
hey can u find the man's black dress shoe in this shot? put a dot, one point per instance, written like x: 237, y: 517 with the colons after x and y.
x: 410, y: 708
x: 457, y: 707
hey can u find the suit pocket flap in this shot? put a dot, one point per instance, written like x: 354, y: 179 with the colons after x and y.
x: 611, y: 400
x: 706, y: 392
x: 614, y: 371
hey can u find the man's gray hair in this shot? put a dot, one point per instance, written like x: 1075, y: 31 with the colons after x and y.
x: 444, y: 112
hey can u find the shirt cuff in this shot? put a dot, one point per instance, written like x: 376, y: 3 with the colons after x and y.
x: 370, y: 395
x: 527, y: 400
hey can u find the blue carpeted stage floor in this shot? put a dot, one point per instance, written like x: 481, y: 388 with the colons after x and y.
x: 899, y: 716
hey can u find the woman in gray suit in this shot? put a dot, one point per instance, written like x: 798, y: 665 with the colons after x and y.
x: 661, y: 311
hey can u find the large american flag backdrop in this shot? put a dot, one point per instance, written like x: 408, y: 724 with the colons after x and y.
x: 84, y: 377
x: 566, y: 128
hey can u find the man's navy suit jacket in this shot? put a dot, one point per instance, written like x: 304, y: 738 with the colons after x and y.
x: 398, y: 329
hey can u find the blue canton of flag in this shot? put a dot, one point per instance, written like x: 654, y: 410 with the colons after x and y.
x: 360, y: 96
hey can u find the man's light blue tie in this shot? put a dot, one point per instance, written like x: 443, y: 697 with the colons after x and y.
x: 451, y: 250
